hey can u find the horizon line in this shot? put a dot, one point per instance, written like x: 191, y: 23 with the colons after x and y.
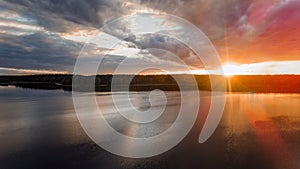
x: 156, y: 74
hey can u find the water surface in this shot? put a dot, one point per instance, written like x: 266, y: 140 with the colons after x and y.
x: 39, y: 129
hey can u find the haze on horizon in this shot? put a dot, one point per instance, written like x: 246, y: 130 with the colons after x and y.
x: 251, y: 36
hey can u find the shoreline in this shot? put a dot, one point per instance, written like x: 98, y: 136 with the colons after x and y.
x: 234, y: 84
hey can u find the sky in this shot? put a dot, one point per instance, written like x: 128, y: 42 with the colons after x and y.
x: 251, y: 36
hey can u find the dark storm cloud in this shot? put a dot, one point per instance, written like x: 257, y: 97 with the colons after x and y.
x: 53, y: 14
x: 37, y: 51
x: 29, y: 48
x: 66, y: 16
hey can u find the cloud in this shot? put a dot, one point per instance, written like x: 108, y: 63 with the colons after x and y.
x: 37, y: 51
x: 166, y: 44
x: 34, y: 33
x: 212, y: 17
x: 31, y: 30
x: 150, y: 42
x: 245, y: 31
x: 60, y: 16
x: 273, y: 35
x: 13, y: 71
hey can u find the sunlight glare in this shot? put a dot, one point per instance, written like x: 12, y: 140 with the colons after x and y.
x: 231, y: 69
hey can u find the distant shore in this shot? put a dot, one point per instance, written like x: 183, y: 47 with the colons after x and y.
x: 238, y: 83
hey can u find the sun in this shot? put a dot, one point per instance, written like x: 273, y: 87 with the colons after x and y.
x: 231, y: 69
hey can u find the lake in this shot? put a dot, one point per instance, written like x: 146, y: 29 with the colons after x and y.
x: 40, y: 129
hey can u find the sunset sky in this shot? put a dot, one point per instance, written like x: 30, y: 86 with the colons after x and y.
x: 251, y: 36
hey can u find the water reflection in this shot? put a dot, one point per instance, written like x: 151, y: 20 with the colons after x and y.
x: 165, y: 114
x: 40, y: 129
x: 271, y: 119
